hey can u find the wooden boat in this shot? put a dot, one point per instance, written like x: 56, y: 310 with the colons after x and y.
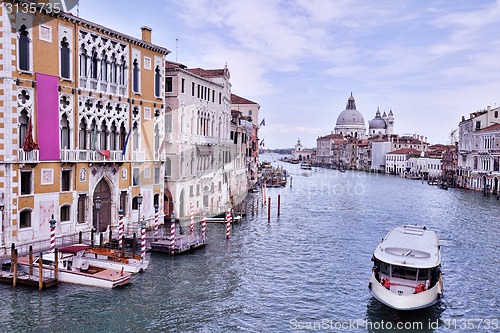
x: 115, y: 259
x: 73, y: 268
x: 306, y: 166
x: 406, y: 272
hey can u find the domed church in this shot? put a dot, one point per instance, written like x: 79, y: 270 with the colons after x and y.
x: 381, y: 124
x: 350, y: 121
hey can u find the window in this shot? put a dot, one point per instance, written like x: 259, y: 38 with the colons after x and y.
x: 83, y: 61
x: 168, y: 167
x: 135, y: 177
x: 135, y: 77
x: 157, y: 175
x: 478, y: 125
x: 23, y: 126
x: 24, y: 49
x: 82, y: 203
x: 82, y: 135
x: 192, y: 89
x: 65, y: 59
x: 25, y: 182
x: 158, y: 81
x: 123, y: 202
x: 66, y: 180
x: 147, y: 63
x: 104, y: 67
x: 183, y: 81
x: 65, y: 213
x: 220, y: 98
x: 93, y: 66
x: 135, y: 203
x: 25, y: 219
x: 65, y: 140
x: 168, y: 84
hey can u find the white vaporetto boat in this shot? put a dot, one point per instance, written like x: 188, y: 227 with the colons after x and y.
x: 72, y: 268
x: 406, y: 273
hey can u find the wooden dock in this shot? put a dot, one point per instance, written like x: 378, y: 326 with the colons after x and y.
x: 13, y: 276
x: 183, y: 244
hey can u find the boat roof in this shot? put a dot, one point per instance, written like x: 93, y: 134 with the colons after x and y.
x: 410, y: 246
x: 74, y: 248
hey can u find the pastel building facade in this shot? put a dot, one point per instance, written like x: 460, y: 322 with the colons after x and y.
x: 80, y: 105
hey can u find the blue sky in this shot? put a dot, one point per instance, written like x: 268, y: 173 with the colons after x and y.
x: 429, y: 61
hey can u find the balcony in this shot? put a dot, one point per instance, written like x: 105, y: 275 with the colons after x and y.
x: 138, y: 156
x: 28, y: 157
x: 74, y: 155
x: 160, y: 156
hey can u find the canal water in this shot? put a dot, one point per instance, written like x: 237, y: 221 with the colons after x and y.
x: 306, y: 271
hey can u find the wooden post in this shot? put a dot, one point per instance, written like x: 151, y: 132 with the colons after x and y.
x: 110, y: 237
x: 40, y: 272
x: 80, y: 237
x: 291, y: 180
x: 56, y: 261
x: 12, y: 248
x: 101, y: 236
x: 134, y: 243
x: 92, y: 237
x: 279, y: 204
x: 30, y: 271
x: 14, y: 266
x: 269, y: 209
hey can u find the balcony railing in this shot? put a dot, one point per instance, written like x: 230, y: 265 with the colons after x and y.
x: 75, y: 155
x: 138, y: 156
x: 160, y: 156
x: 24, y: 156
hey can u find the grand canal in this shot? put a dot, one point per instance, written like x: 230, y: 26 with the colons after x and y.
x: 309, y: 268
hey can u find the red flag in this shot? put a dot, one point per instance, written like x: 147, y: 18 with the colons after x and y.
x: 29, y: 144
x: 105, y: 153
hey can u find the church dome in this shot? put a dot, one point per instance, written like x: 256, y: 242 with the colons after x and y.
x: 350, y: 116
x: 377, y: 122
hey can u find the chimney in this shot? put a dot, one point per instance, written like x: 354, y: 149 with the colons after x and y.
x: 146, y: 34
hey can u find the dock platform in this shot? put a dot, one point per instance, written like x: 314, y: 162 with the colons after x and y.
x: 23, y: 278
x: 183, y: 244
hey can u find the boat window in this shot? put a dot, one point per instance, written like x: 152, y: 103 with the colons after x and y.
x: 404, y: 272
x: 423, y: 274
x: 384, y: 268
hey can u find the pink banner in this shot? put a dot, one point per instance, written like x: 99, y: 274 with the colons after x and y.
x: 47, y: 116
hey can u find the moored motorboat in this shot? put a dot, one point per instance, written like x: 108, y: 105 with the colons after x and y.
x: 115, y: 259
x: 406, y: 274
x: 306, y: 166
x: 73, y: 268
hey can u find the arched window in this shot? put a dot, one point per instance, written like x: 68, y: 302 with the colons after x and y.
x: 157, y: 81
x: 123, y: 71
x: 25, y: 219
x: 24, y: 49
x: 113, y: 72
x: 94, y: 65
x: 65, y: 213
x: 168, y: 167
x: 123, y: 136
x: 103, y: 143
x: 65, y: 140
x: 23, y: 126
x: 82, y: 135
x: 65, y: 59
x: 135, y: 77
x: 113, y: 135
x: 135, y: 137
x: 168, y: 121
x: 104, y: 67
x: 93, y: 134
x: 83, y: 61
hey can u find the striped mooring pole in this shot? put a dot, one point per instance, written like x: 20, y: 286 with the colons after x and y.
x: 204, y: 227
x: 52, y: 234
x: 157, y: 208
x: 228, y: 223
x: 172, y: 234
x: 143, y: 239
x: 120, y: 229
x: 191, y: 226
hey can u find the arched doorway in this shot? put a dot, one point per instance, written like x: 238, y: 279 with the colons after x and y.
x: 168, y: 203
x: 103, y: 191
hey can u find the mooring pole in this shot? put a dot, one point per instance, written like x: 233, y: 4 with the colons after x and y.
x: 40, y: 271
x: 269, y: 209
x: 56, y: 261
x: 30, y: 269
x: 14, y: 266
x: 279, y: 204
x: 291, y: 180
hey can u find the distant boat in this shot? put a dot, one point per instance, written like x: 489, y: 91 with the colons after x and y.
x: 306, y: 166
x: 406, y: 272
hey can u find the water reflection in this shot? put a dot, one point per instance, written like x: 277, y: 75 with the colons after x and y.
x: 381, y: 318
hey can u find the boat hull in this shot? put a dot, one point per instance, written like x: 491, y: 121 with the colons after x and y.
x: 393, y: 300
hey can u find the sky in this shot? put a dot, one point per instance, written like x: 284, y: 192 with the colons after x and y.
x: 431, y: 62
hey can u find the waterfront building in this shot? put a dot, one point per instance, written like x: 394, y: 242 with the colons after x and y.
x: 302, y: 154
x: 209, y: 145
x: 395, y: 161
x: 479, y: 150
x: 82, y: 109
x: 363, y: 155
x: 450, y: 164
x: 427, y: 167
x: 249, y: 110
x: 350, y: 122
x: 324, y: 151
